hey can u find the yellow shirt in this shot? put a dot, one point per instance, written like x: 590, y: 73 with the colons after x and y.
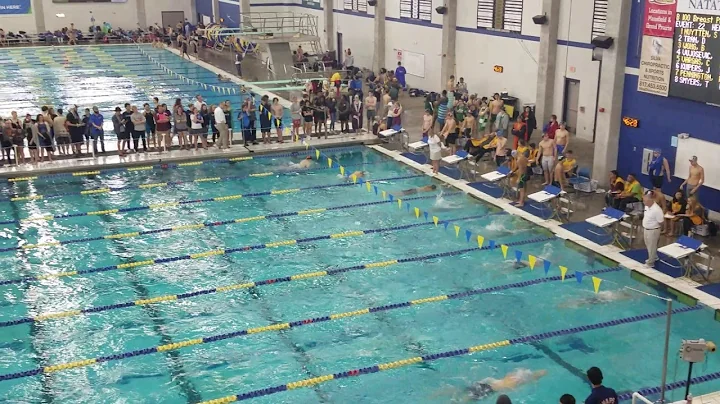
x: 335, y: 77
x: 523, y: 150
x: 568, y: 164
x: 534, y: 153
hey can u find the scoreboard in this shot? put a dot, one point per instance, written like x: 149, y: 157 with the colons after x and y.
x: 695, y: 69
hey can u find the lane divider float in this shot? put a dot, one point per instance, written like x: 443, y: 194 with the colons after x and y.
x: 252, y: 284
x: 165, y: 166
x: 136, y: 264
x: 331, y: 317
x: 197, y: 226
x: 440, y: 355
x: 182, y: 202
x: 169, y: 184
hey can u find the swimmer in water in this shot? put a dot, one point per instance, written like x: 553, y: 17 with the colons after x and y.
x: 306, y: 163
x: 511, y: 381
x: 356, y: 174
x: 484, y: 388
x: 602, y: 297
x: 411, y: 191
x: 520, y: 264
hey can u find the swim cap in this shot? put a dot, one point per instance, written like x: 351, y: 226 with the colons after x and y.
x: 308, y: 158
x: 514, y: 153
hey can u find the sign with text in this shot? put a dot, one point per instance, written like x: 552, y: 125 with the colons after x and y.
x: 15, y: 7
x: 659, y: 18
x: 707, y: 7
x: 655, y: 65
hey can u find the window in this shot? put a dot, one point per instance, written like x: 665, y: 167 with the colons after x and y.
x: 416, y: 9
x: 500, y: 14
x: 311, y: 3
x: 355, y: 5
x: 599, y: 17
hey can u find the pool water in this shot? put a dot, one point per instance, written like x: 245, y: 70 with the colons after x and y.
x: 106, y: 77
x: 629, y: 354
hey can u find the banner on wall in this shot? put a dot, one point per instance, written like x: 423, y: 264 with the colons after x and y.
x: 707, y: 7
x: 655, y: 65
x: 659, y: 18
x: 15, y: 7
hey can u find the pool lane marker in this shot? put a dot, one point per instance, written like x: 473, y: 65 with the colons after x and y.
x: 339, y: 316
x: 169, y: 184
x: 174, y: 204
x: 646, y: 391
x: 197, y: 226
x: 440, y: 355
x: 211, y: 253
x: 253, y: 284
x: 165, y: 166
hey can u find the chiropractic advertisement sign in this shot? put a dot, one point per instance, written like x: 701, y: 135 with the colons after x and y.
x: 659, y: 18
x: 15, y: 7
x: 655, y: 65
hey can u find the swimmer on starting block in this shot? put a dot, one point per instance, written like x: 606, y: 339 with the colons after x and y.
x: 487, y: 387
x: 411, y: 191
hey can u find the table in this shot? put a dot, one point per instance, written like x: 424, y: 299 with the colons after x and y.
x: 609, y: 221
x: 545, y: 198
x: 683, y: 250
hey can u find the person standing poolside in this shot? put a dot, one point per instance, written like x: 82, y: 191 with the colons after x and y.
x: 42, y: 128
x: 62, y: 135
x: 522, y: 176
x: 496, y: 105
x: 95, y: 124
x: 221, y: 123
x: 435, y: 144
x: 180, y: 126
x: 265, y: 118
x: 562, y: 138
x: 196, y: 128
x: 320, y: 114
x: 653, y: 221
x: 448, y: 133
x: 307, y: 113
x: 296, y: 116
x: 227, y: 108
x: 18, y: 138
x: 127, y: 123
x: 119, y: 128
x: 278, y: 111
x: 138, y: 120
x: 164, y: 128
x: 600, y: 394
x: 205, y: 112
x: 77, y: 129
x: 658, y: 169
x: 150, y: 126
x: 548, y: 153
x: 696, y: 177
x: 252, y: 113
x: 370, y: 108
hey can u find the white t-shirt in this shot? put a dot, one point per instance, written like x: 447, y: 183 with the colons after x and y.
x: 654, y: 217
x: 198, y: 104
x: 195, y: 122
x: 219, y: 115
x: 435, y: 144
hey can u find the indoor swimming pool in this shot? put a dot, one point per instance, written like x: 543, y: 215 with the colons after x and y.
x: 253, y: 278
x: 106, y: 77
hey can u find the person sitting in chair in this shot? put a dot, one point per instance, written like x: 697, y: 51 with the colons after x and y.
x: 565, y: 168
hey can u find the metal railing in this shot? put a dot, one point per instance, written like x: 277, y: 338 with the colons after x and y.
x: 638, y: 397
x: 279, y: 23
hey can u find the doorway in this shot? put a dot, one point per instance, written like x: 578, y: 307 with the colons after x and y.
x: 571, y: 100
x: 171, y: 18
x: 340, y: 53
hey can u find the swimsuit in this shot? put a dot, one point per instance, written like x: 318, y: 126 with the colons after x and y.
x: 522, y: 180
x: 560, y: 148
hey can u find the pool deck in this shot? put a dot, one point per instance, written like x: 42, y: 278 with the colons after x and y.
x: 682, y: 285
x: 112, y: 160
x: 712, y: 398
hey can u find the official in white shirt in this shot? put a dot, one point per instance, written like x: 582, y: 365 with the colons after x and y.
x: 222, y: 126
x: 652, y: 223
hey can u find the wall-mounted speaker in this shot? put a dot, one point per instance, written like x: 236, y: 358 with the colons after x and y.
x: 372, y: 3
x: 441, y: 10
x: 540, y: 19
x: 603, y: 42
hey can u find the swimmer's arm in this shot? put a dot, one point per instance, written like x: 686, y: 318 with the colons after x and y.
x: 666, y: 166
